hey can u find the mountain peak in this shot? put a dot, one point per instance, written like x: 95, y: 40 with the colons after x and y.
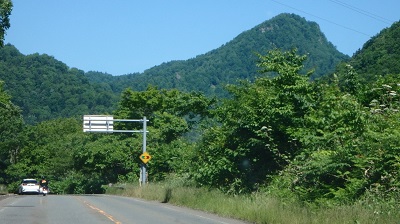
x: 236, y: 59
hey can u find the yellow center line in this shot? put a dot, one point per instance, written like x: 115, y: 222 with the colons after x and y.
x: 110, y: 217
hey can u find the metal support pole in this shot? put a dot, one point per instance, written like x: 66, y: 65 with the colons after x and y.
x: 143, y: 166
x: 105, y: 124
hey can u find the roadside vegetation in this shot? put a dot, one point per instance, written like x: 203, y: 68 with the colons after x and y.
x: 262, y: 206
x: 3, y: 189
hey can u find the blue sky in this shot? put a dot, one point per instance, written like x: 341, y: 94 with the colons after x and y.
x: 126, y: 36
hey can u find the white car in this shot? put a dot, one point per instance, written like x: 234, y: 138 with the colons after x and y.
x: 29, y: 186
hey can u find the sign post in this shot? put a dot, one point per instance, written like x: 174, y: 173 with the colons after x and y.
x: 105, y: 124
x: 144, y: 166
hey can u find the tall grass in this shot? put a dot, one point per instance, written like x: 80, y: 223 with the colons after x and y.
x: 3, y: 189
x: 259, y: 207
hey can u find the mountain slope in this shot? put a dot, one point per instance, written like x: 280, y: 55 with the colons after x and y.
x: 45, y: 88
x: 380, y: 55
x: 208, y: 73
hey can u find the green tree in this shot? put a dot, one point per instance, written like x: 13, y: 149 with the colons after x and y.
x: 108, y: 158
x: 253, y: 140
x: 10, y: 127
x: 172, y: 115
x: 348, y: 148
x: 164, y: 105
x: 347, y: 79
x: 5, y: 12
x: 330, y: 135
x: 46, y: 150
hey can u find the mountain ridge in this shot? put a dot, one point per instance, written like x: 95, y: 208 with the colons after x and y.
x: 236, y: 59
x: 45, y: 88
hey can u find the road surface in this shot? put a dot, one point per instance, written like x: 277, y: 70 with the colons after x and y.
x: 98, y: 209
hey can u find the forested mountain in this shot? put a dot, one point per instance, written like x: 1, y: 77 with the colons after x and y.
x: 380, y: 55
x: 378, y: 61
x: 45, y: 88
x: 208, y: 73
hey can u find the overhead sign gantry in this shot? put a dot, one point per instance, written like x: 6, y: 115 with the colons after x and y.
x: 105, y: 124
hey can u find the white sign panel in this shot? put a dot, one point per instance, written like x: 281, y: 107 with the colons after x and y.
x: 98, y: 123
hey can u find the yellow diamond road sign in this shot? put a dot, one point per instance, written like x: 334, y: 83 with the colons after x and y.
x: 145, y: 157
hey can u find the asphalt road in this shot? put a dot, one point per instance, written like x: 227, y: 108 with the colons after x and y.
x: 98, y: 209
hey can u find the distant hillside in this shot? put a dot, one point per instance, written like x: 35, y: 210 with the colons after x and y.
x: 208, y: 73
x: 380, y: 55
x: 45, y: 88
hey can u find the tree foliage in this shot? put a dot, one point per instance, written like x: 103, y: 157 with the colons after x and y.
x: 254, y: 135
x: 379, y: 55
x: 5, y: 12
x: 316, y: 139
x: 45, y: 88
x: 10, y: 126
x: 172, y: 115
